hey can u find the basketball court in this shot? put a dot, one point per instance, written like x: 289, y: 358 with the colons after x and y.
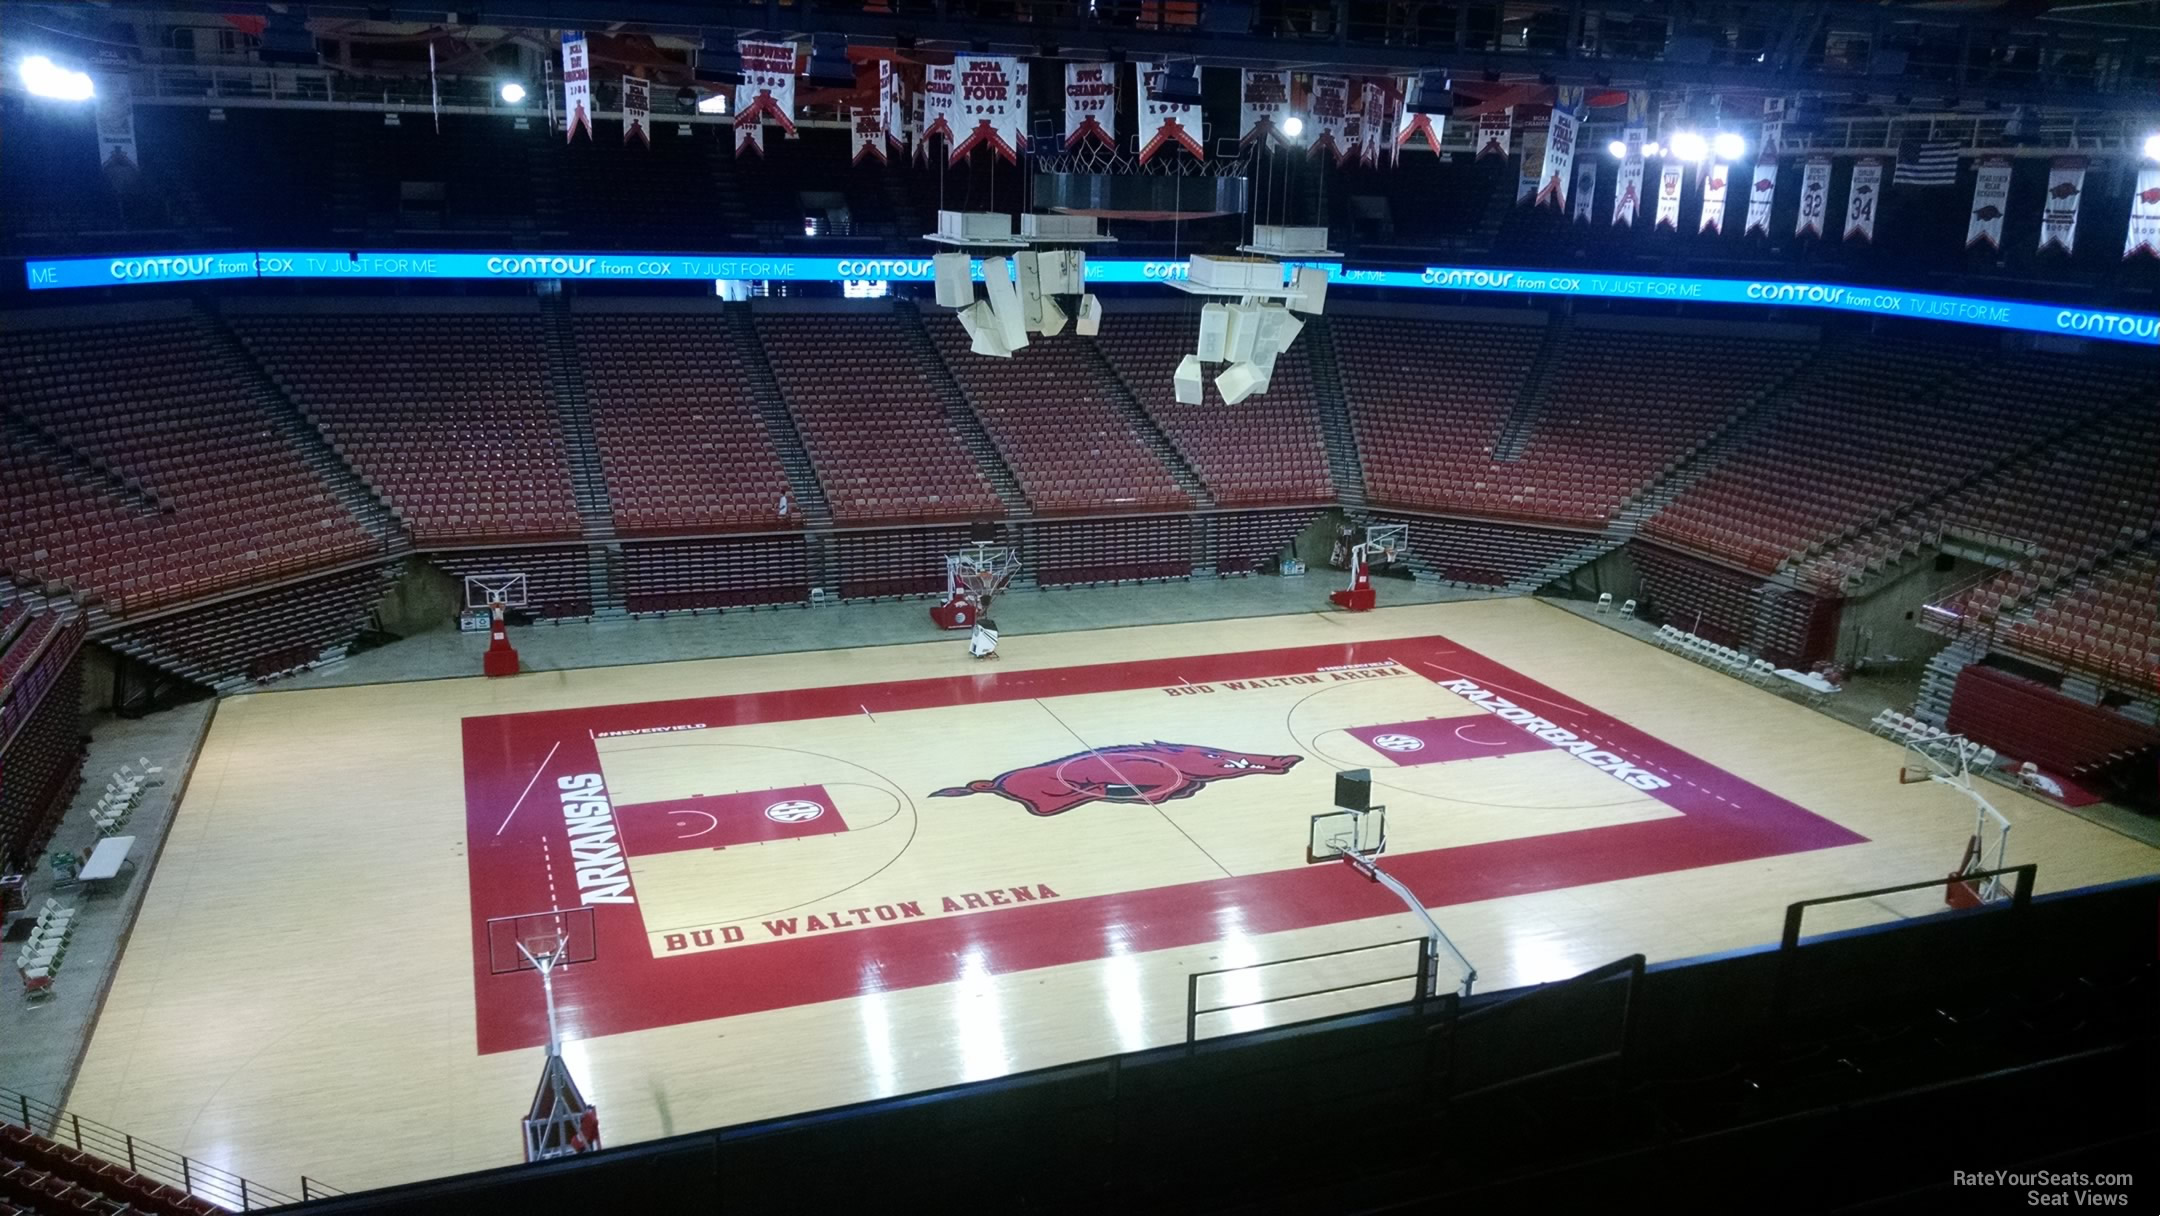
x: 795, y: 881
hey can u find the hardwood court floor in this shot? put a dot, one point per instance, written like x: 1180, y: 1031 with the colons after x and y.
x: 837, y: 875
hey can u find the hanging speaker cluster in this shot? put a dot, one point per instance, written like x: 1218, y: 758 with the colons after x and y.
x: 1023, y: 290
x: 1258, y: 318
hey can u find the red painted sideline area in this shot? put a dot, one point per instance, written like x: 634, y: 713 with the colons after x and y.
x: 524, y: 800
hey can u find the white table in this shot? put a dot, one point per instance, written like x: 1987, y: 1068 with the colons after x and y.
x: 106, y: 859
x: 1808, y: 680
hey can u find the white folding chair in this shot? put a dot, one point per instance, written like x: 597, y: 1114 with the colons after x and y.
x: 1604, y: 602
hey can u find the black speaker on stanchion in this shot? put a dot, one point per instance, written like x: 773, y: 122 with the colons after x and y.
x: 1353, y: 789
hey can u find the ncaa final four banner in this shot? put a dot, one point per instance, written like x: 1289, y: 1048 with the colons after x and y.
x: 576, y: 87
x: 1492, y: 133
x: 987, y: 87
x: 1164, y: 124
x: 1627, y: 192
x: 2144, y: 234
x: 1714, y: 183
x: 1090, y: 105
x: 1991, y: 201
x: 1559, y: 166
x: 1762, y: 190
x: 1814, y: 198
x: 1860, y: 199
x: 1329, y: 101
x: 637, y: 110
x: 1263, y: 99
x: 1668, y: 196
x: 767, y: 91
x: 2059, y: 213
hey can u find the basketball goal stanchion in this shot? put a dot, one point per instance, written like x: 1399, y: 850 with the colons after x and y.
x: 972, y: 577
x: 494, y: 594
x: 1947, y: 760
x: 1381, y: 543
x: 1355, y: 834
x: 560, y: 1122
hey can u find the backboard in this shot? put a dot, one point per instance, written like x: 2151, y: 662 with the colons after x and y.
x: 567, y: 935
x: 1950, y: 757
x: 1345, y: 831
x: 482, y: 590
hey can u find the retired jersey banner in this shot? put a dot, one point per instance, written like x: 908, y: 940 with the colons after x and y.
x: 1164, y: 124
x: 1991, y: 201
x: 767, y: 91
x: 116, y: 122
x: 576, y: 87
x: 1263, y: 99
x: 637, y: 110
x: 940, y: 95
x: 1585, y: 189
x: 1762, y: 191
x: 2144, y: 234
x: 1023, y: 80
x: 1492, y: 134
x: 1627, y: 193
x: 892, y: 106
x: 1330, y: 105
x: 1860, y: 199
x: 1714, y: 183
x: 2059, y: 213
x: 1559, y: 167
x: 1814, y: 198
x: 1532, y: 170
x: 1668, y: 195
x: 982, y: 112
x: 1090, y: 104
x: 919, y: 142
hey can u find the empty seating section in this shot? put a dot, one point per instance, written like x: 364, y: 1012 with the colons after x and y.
x: 1251, y: 540
x: 874, y: 427
x: 34, y: 654
x: 134, y: 466
x: 43, y: 1176
x: 1427, y: 401
x: 41, y: 763
x: 1070, y: 447
x: 1266, y: 449
x: 1887, y: 425
x: 2028, y: 721
x: 669, y: 576
x: 2108, y: 625
x: 261, y: 637
x: 558, y: 582
x: 2073, y: 502
x: 1483, y: 554
x: 448, y: 414
x: 680, y: 437
x: 1110, y: 550
x: 1621, y: 408
x: 901, y: 562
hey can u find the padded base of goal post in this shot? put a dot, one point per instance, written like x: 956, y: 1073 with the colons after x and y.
x: 955, y: 613
x: 1353, y: 599
x: 501, y: 658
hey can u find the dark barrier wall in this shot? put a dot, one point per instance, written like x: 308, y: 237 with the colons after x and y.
x: 2029, y: 721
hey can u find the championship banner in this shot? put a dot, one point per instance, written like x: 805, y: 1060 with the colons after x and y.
x: 982, y: 113
x: 637, y: 110
x: 2059, y: 213
x: 1627, y: 193
x: 1090, y: 105
x: 869, y: 134
x: 1714, y: 184
x: 919, y: 141
x: 1330, y: 101
x: 1991, y: 201
x: 2144, y: 234
x: 1668, y: 196
x: 940, y: 93
x: 116, y: 122
x: 1814, y: 198
x: 1585, y: 189
x: 892, y: 107
x: 1408, y: 125
x: 1350, y: 138
x: 1164, y: 123
x: 1375, y: 127
x: 1865, y: 192
x: 1762, y: 192
x: 767, y: 91
x: 1559, y: 165
x: 576, y: 87
x: 1023, y: 80
x: 1773, y: 124
x: 1492, y: 134
x: 1263, y: 98
x: 1532, y: 170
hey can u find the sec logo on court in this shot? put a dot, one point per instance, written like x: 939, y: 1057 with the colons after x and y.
x: 795, y: 810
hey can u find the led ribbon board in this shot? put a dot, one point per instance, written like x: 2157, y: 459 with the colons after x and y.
x: 2139, y: 328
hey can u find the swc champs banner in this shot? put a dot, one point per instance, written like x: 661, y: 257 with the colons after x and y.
x: 1164, y: 124
x: 1409, y: 126
x: 2059, y: 213
x: 1559, y: 166
x: 1814, y: 198
x: 116, y: 122
x: 1330, y: 105
x: 1090, y: 105
x: 1492, y: 134
x: 576, y: 87
x: 1627, y: 193
x: 1668, y: 196
x: 940, y: 95
x: 982, y: 114
x: 1263, y: 99
x: 1762, y: 191
x: 1991, y: 200
x: 767, y: 91
x: 637, y: 110
x: 1716, y: 179
x: 1860, y: 199
x: 2144, y: 234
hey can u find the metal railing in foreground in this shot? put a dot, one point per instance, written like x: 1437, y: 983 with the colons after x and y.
x: 197, y: 1178
x: 1420, y: 977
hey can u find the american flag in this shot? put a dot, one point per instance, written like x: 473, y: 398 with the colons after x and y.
x: 1930, y: 162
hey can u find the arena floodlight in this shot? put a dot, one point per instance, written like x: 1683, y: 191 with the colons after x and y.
x: 44, y: 78
x: 1618, y: 149
x: 1293, y: 127
x: 1651, y: 148
x: 712, y: 103
x: 512, y: 93
x: 1689, y: 146
x: 1728, y: 146
x: 2152, y: 146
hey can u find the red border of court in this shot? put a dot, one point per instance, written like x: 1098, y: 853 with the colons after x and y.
x: 512, y: 760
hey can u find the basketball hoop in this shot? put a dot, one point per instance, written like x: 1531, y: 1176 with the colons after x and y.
x: 972, y: 577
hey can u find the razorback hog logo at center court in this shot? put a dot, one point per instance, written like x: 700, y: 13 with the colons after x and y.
x: 1145, y: 773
